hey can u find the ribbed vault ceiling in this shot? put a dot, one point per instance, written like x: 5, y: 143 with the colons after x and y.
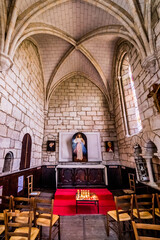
x: 75, y: 19
x: 75, y: 36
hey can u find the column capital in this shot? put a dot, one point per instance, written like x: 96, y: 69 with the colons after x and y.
x: 5, y: 62
x: 149, y: 63
x: 147, y: 157
x: 157, y: 154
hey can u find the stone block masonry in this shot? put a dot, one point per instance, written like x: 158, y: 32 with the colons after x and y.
x: 74, y: 110
x: 22, y: 105
x: 148, y: 112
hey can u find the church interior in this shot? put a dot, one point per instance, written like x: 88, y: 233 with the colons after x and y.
x: 80, y: 106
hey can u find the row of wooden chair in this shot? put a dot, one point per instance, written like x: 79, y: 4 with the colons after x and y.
x: 133, y: 187
x: 129, y: 207
x: 141, y: 231
x: 28, y: 216
x: 31, y: 193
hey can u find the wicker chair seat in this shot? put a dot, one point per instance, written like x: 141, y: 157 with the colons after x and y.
x: 128, y: 191
x: 23, y: 217
x: 143, y: 215
x: 157, y: 212
x: 42, y: 221
x: 34, y: 233
x: 2, y: 228
x: 122, y: 216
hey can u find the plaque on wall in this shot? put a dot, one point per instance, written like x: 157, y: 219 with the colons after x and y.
x: 20, y: 183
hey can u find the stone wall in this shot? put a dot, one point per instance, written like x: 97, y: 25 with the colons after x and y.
x: 78, y: 105
x: 150, y: 118
x: 22, y: 105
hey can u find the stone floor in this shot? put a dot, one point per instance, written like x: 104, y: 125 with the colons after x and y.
x: 85, y: 227
x: 82, y: 227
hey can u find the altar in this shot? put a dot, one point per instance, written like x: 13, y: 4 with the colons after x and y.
x: 71, y: 173
x: 81, y: 175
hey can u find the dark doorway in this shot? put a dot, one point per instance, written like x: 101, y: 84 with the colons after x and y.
x: 26, y: 151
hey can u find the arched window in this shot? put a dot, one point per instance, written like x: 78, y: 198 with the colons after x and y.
x: 128, y: 98
x: 137, y: 116
x: 26, y: 151
x: 8, y: 161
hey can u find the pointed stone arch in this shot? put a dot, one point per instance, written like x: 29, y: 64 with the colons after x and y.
x: 136, y: 140
x: 69, y: 76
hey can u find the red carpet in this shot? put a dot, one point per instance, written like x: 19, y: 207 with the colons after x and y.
x: 65, y: 202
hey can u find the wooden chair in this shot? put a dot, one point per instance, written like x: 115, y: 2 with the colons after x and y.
x: 46, y: 218
x: 144, y: 226
x: 132, y: 189
x: 23, y: 206
x: 144, y: 207
x: 23, y: 230
x: 157, y: 209
x: 5, y: 204
x: 122, y: 214
x: 31, y: 193
x: 2, y: 229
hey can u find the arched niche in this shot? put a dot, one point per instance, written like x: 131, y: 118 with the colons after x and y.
x: 127, y: 91
x: 8, y: 161
x: 151, y: 150
x: 141, y: 167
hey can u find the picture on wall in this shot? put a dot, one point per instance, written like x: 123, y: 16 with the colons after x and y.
x: 51, y: 146
x: 79, y: 147
x: 109, y: 146
x: 20, y: 183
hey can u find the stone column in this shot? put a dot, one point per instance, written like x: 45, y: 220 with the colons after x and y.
x: 150, y: 172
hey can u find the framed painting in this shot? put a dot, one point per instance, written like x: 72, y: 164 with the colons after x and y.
x: 51, y: 146
x: 109, y: 146
x: 79, y: 147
